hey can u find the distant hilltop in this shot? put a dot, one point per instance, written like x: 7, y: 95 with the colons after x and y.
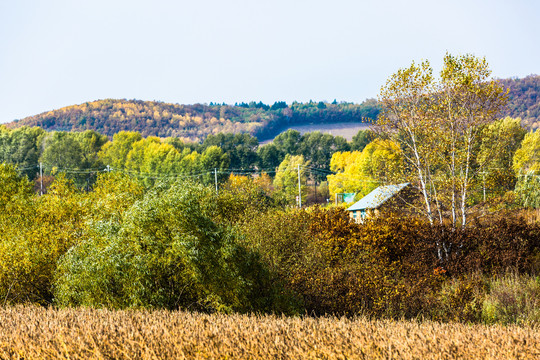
x: 196, y: 122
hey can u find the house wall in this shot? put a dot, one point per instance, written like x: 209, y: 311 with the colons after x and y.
x: 360, y: 215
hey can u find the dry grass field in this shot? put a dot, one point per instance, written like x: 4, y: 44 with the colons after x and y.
x: 38, y: 333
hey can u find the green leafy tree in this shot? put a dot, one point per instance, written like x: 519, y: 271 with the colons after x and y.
x: 64, y: 154
x: 527, y: 157
x: 287, y: 142
x: 16, y: 192
x: 380, y: 162
x: 22, y: 147
x: 16, y: 213
x: 243, y: 198
x: 213, y: 157
x: 526, y: 164
x: 361, y: 139
x: 112, y: 194
x: 279, y: 105
x: 317, y: 148
x: 152, y: 158
x: 241, y: 148
x: 180, y: 145
x: 115, y: 153
x: 91, y: 144
x: 286, y: 180
x: 38, y: 233
x: 62, y: 151
x: 269, y: 157
x: 528, y: 190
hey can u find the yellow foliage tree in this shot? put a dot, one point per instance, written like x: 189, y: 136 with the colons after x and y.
x: 361, y: 172
x: 527, y: 157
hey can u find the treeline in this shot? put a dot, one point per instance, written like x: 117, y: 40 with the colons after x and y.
x: 81, y: 155
x: 180, y: 245
x: 524, y: 100
x: 330, y: 164
x: 195, y: 122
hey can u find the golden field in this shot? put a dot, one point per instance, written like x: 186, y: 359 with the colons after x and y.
x: 40, y: 333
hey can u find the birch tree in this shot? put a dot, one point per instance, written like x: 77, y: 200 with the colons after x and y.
x: 438, y: 123
x: 408, y: 114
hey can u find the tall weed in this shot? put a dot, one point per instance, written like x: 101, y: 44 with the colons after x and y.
x: 513, y: 299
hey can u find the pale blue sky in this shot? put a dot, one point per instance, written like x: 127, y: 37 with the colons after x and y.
x: 61, y: 52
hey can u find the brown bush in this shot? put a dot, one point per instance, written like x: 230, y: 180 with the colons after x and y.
x: 340, y: 267
x: 492, y: 246
x: 391, y: 266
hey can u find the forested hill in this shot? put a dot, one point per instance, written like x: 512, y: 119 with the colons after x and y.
x: 196, y: 122
x: 524, y: 100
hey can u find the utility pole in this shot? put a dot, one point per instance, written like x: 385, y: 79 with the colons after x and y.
x: 484, y: 182
x: 315, y: 181
x: 215, y: 177
x: 299, y: 188
x: 40, y: 179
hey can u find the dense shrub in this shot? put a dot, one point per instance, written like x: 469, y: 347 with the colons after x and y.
x: 383, y: 268
x: 166, y: 252
x: 340, y: 267
x: 390, y: 266
x: 15, y: 194
x: 39, y: 231
x: 243, y: 197
x: 492, y: 246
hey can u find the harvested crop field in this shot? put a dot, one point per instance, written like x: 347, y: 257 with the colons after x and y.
x: 38, y: 333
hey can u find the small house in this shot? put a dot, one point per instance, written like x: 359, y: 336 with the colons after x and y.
x: 383, y: 196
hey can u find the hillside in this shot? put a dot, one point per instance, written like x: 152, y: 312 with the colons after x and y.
x: 196, y: 122
x: 524, y: 100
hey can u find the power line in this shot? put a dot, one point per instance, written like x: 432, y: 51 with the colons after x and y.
x: 215, y: 171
